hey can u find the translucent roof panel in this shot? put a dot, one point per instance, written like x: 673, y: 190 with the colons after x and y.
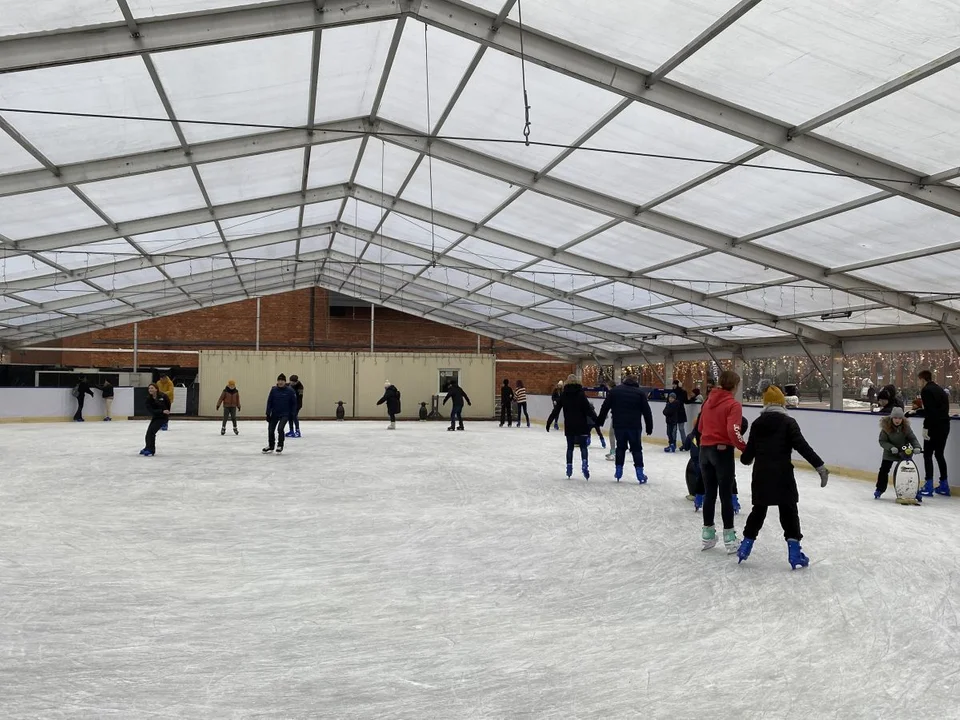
x: 128, y: 279
x: 152, y: 8
x: 195, y: 267
x: 246, y: 178
x: 367, y: 217
x: 447, y: 190
x: 795, y: 299
x: 747, y: 199
x: 480, y: 252
x: 796, y: 60
x: 526, y: 321
x: 548, y: 221
x: 332, y: 163
x: 264, y: 82
x: 625, y: 297
x: 260, y: 223
x: 57, y: 292
x: 633, y: 248
x: 889, y: 128
x: 643, y: 129
x: 566, y: 311
x: 107, y: 87
x: 322, y: 212
x: 14, y: 158
x: 314, y: 244
x: 385, y: 166
x: 32, y: 319
x: 558, y: 277
x: 717, y: 273
x: 510, y: 294
x: 618, y: 325
x: 177, y: 239
x: 491, y: 107
x: 269, y: 252
x: 391, y: 259
x: 884, y: 228
x: 351, y: 63
x: 573, y: 335
x: 142, y: 196
x: 867, y: 320
x: 91, y: 255
x: 923, y: 275
x: 750, y: 332
x: 405, y: 97
x: 691, y: 316
x: 44, y: 212
x: 18, y: 18
x: 414, y: 231
x: 454, y: 278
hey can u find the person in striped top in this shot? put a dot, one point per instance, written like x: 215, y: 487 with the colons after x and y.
x: 520, y: 395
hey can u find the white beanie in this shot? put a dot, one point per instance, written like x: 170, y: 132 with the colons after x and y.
x: 386, y: 384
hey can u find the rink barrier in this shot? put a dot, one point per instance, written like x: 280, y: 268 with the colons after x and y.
x: 847, y: 441
x: 31, y: 405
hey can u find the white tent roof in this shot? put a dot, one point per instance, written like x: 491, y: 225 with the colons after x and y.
x: 701, y: 174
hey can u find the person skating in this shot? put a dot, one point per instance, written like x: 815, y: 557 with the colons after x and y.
x: 80, y: 392
x: 506, y: 397
x: 281, y: 405
x: 936, y: 429
x: 230, y: 400
x: 887, y: 400
x: 297, y: 387
x: 631, y: 410
x: 107, y: 391
x: 555, y: 397
x: 158, y: 405
x: 341, y: 411
x: 671, y: 412
x: 391, y: 396
x: 520, y: 395
x: 577, y: 413
x: 773, y: 439
x: 719, y: 424
x: 459, y: 396
x: 165, y: 385
x: 682, y: 399
x: 895, y: 435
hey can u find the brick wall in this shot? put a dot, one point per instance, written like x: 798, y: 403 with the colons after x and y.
x: 285, y: 325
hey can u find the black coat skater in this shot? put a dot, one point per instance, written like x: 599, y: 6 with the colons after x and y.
x: 577, y: 410
x: 773, y: 438
x: 391, y: 396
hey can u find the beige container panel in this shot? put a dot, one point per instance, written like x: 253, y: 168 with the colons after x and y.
x: 327, y: 377
x: 418, y: 378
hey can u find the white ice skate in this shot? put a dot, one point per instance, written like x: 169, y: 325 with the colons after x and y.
x: 709, y: 537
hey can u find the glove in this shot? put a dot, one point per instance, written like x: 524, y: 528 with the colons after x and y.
x: 926, y: 434
x: 824, y: 475
x: 649, y: 431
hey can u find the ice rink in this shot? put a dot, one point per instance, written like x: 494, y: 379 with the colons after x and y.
x: 426, y: 574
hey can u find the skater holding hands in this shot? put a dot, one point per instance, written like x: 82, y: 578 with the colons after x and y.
x: 774, y: 437
x: 578, y: 413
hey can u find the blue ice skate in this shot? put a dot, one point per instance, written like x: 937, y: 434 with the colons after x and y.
x: 743, y: 552
x: 618, y: 472
x: 588, y: 441
x: 943, y: 488
x: 585, y: 467
x: 697, y: 502
x: 144, y: 451
x: 641, y: 478
x: 603, y: 443
x: 147, y: 453
x: 569, y: 470
x: 290, y: 434
x: 927, y: 489
x: 556, y: 426
x: 877, y: 494
x: 671, y: 448
x: 795, y: 556
x: 736, y: 505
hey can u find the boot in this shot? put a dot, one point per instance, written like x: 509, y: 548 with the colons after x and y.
x: 641, y: 478
x: 267, y: 450
x: 709, y: 537
x: 877, y: 494
x: 795, y: 557
x: 569, y: 470
x: 279, y: 449
x: 610, y: 456
x: 927, y: 489
x: 528, y: 423
x: 618, y: 472
x: 585, y: 467
x: 697, y: 502
x: 148, y: 453
x: 451, y: 428
x: 223, y: 430
x: 392, y: 426
x: 730, y: 541
x: 289, y: 434
x: 236, y: 431
x: 460, y: 426
x: 943, y: 488
x: 736, y: 505
x: 744, y: 551
x: 296, y: 433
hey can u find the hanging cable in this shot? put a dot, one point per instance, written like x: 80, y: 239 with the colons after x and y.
x: 523, y: 79
x: 426, y: 66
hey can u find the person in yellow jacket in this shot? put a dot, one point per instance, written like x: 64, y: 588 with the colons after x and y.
x: 165, y: 386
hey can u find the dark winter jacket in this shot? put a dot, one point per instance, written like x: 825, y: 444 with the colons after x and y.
x: 157, y: 405
x: 577, y: 410
x: 107, y: 391
x: 773, y: 438
x: 298, y: 389
x: 672, y: 411
x: 555, y: 395
x: 391, y: 396
x: 457, y: 394
x: 936, y: 405
x: 893, y: 439
x: 682, y: 400
x: 889, y: 393
x: 281, y: 402
x: 83, y: 388
x: 720, y: 420
x: 506, y: 394
x: 230, y: 397
x: 629, y: 406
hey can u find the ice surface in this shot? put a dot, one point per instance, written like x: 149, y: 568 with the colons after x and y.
x: 426, y: 574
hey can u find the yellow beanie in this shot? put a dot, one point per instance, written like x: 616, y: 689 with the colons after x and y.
x: 774, y: 396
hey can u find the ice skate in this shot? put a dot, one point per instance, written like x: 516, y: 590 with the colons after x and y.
x: 670, y: 448
x: 279, y: 449
x: 877, y: 494
x: 289, y: 434
x: 697, y: 502
x: 164, y: 428
x: 392, y: 426
x: 144, y: 451
x: 223, y: 430
x: 451, y: 428
x: 795, y: 557
x: 585, y: 468
x: 236, y: 431
x: 267, y: 450
x: 148, y: 453
x: 296, y: 433
x: 569, y: 470
x: 603, y: 443
x: 641, y: 476
x: 927, y: 489
x: 709, y: 537
x: 744, y: 550
x: 556, y: 426
x: 730, y: 542
x: 610, y: 456
x: 691, y: 498
x: 943, y: 488
x: 528, y: 423
x: 460, y: 426
x: 618, y: 472
x: 736, y: 505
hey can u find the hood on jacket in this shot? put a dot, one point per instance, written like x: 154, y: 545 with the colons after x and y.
x: 572, y: 388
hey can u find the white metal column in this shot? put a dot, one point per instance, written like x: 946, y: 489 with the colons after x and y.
x: 738, y: 369
x: 668, y: 370
x: 836, y: 379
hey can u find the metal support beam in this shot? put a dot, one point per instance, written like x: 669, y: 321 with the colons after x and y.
x: 813, y: 359
x: 951, y: 338
x: 836, y: 379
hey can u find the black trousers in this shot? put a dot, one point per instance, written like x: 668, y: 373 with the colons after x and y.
x: 934, y: 447
x: 506, y: 414
x: 580, y: 440
x: 78, y: 415
x: 718, y: 471
x: 628, y: 438
x: 150, y: 441
x: 672, y: 433
x: 522, y: 410
x: 393, y: 416
x: 275, y: 426
x: 229, y: 413
x: 455, y: 415
x: 883, y: 476
x: 789, y: 521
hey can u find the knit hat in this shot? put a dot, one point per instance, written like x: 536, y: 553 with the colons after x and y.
x: 572, y: 380
x: 386, y: 383
x: 281, y: 376
x: 774, y: 396
x: 897, y: 412
x: 672, y: 397
x: 231, y: 383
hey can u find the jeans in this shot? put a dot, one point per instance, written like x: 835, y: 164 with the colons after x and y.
x: 580, y: 440
x: 150, y: 441
x: 672, y: 433
x: 628, y: 437
x: 718, y: 472
x: 789, y: 521
x: 295, y: 420
x: 682, y: 431
x: 456, y: 415
x: 522, y: 410
x: 275, y: 426
x: 229, y: 413
x: 883, y: 476
x: 934, y: 446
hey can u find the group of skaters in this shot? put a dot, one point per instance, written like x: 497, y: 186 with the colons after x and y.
x: 509, y: 396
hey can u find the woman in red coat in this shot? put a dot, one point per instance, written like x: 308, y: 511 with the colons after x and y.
x: 719, y: 424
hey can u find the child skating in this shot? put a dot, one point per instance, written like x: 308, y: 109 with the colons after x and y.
x: 773, y: 439
x: 578, y: 412
x: 896, y: 436
x: 671, y: 413
x: 230, y: 400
